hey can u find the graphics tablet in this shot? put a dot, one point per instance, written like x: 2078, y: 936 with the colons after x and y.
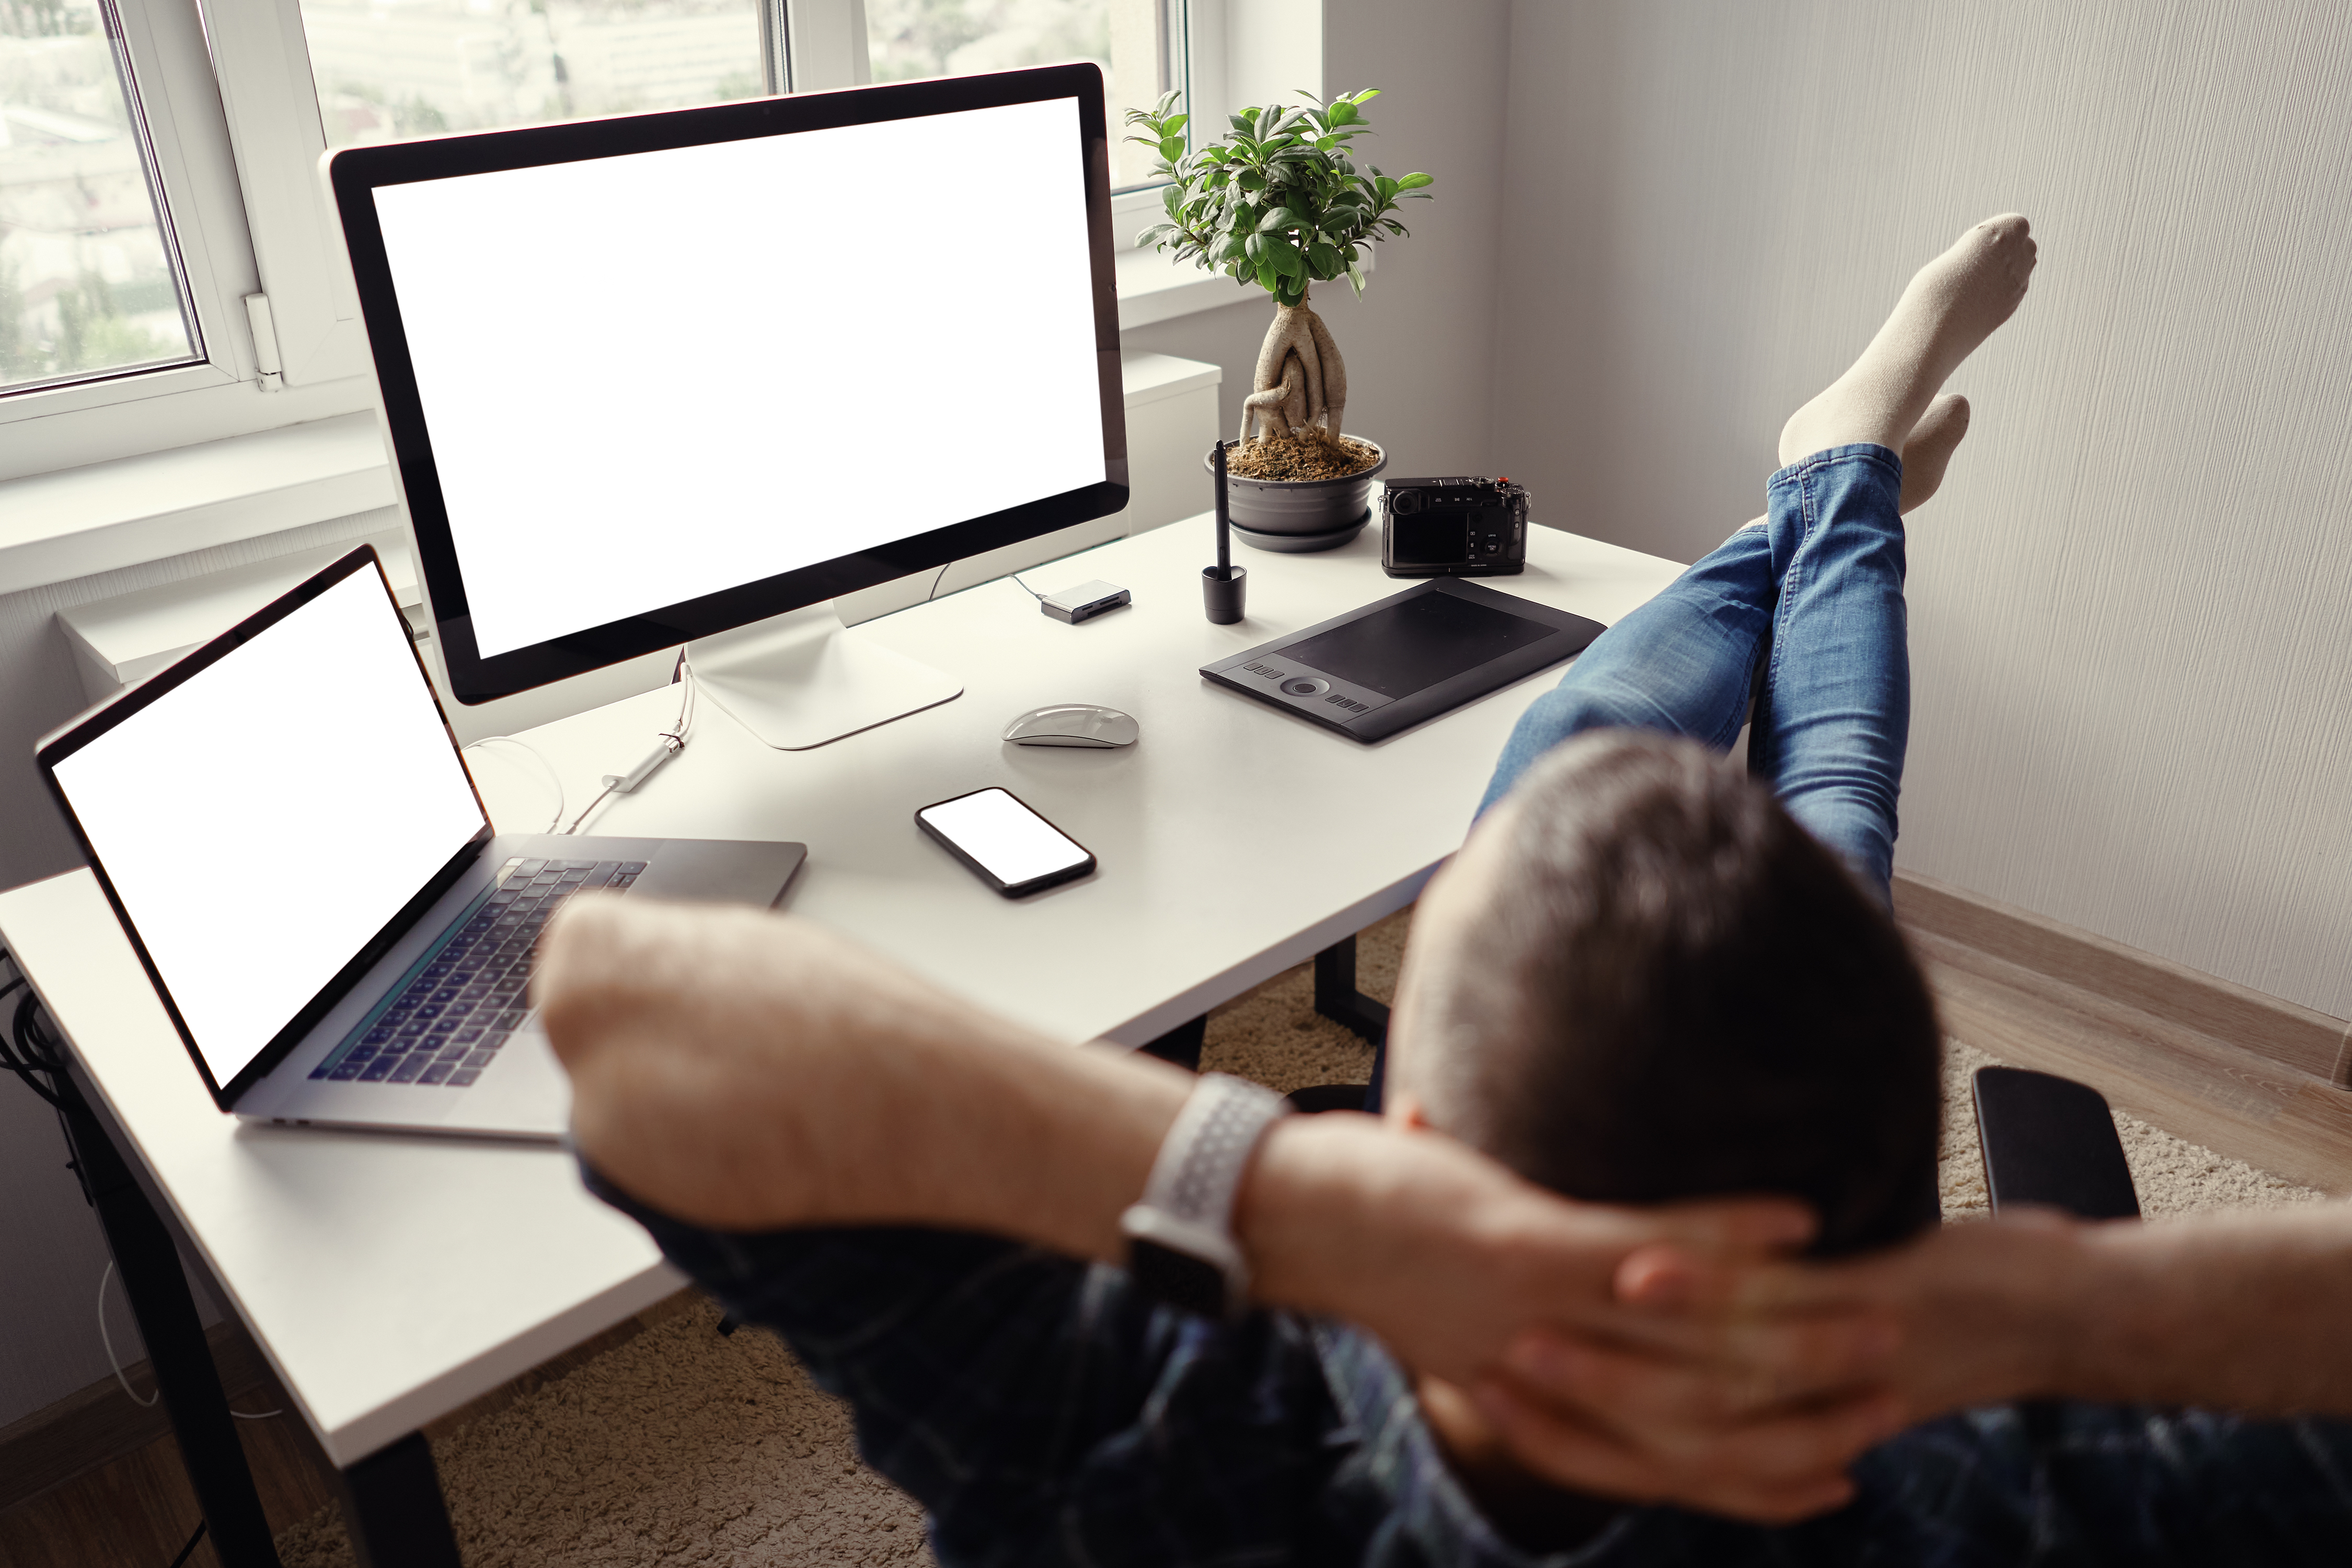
x: 1410, y: 656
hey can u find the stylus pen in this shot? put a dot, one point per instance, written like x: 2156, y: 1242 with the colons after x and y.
x: 1224, y: 522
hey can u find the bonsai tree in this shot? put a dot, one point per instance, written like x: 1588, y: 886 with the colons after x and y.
x: 1279, y: 201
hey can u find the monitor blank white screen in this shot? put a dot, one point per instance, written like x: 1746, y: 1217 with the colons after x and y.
x: 264, y: 821
x: 652, y: 377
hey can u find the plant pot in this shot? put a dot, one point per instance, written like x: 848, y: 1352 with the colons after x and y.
x: 1296, y: 516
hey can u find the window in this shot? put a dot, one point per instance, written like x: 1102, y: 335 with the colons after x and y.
x: 167, y: 252
x: 1136, y: 42
x: 89, y: 276
x: 411, y: 68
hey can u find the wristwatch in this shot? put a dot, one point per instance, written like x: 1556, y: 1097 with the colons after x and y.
x: 1179, y: 1234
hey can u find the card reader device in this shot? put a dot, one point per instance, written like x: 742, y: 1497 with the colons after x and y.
x: 1084, y: 602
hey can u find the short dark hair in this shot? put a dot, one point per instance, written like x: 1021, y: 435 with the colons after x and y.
x: 1678, y: 992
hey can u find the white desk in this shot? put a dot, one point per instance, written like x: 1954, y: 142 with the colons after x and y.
x: 390, y: 1279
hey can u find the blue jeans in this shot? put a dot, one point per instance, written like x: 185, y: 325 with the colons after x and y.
x: 1815, y: 595
x: 1804, y: 614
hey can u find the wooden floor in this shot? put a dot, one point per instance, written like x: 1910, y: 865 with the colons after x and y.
x: 2242, y: 1073
x: 137, y: 1511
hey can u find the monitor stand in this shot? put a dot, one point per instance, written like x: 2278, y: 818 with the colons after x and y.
x: 802, y: 678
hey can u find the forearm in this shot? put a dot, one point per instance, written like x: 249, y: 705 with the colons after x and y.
x: 747, y: 1072
x: 2240, y: 1312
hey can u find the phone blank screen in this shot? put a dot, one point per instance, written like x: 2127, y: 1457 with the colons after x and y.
x: 1013, y: 842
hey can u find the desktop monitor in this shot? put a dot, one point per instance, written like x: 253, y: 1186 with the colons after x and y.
x: 649, y: 379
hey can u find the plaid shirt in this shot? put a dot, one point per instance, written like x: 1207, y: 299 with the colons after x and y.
x: 1045, y: 1412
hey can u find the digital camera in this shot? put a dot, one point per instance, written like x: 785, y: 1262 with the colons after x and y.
x: 1454, y: 528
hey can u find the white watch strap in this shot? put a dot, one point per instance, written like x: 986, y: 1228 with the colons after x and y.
x: 1188, y: 1203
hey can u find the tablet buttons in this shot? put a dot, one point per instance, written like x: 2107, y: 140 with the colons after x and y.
x: 1305, y: 688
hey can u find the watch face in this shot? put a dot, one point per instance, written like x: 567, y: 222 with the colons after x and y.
x: 1177, y: 1278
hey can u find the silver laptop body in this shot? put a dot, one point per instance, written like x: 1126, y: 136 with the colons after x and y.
x: 286, y: 829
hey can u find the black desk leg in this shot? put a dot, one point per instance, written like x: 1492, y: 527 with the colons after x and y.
x: 393, y: 1509
x: 182, y: 1362
x: 1337, y: 999
x: 1182, y: 1045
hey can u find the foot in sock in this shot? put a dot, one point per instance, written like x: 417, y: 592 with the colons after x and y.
x: 1950, y: 306
x: 1927, y: 451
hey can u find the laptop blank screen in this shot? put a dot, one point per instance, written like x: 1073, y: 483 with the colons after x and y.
x: 266, y: 820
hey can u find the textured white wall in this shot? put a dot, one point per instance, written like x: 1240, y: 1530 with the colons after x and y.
x: 1419, y: 343
x: 2129, y: 607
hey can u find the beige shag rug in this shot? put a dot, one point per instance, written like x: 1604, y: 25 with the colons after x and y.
x: 685, y: 1447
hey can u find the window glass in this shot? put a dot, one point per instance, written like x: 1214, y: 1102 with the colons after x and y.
x: 1129, y: 39
x: 87, y: 280
x: 391, y: 69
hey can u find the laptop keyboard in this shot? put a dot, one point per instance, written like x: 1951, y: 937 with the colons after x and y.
x: 447, y: 1023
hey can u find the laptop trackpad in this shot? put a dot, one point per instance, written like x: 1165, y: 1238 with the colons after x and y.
x: 721, y: 870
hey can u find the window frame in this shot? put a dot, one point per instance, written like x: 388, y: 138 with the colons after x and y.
x: 231, y: 115
x: 176, y: 112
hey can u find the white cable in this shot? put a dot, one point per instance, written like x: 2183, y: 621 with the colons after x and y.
x: 602, y: 797
x: 1025, y: 587
x: 667, y: 743
x: 116, y: 1363
x: 545, y: 767
x: 108, y: 1341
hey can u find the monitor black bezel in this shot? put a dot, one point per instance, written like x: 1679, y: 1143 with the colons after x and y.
x: 239, y: 858
x: 354, y: 172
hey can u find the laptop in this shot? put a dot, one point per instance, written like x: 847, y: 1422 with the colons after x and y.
x: 286, y: 828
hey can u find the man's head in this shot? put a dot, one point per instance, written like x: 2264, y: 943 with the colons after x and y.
x: 1642, y: 981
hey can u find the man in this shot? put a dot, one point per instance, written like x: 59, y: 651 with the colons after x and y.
x: 754, y: 1091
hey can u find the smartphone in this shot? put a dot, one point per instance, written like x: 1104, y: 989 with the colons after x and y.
x: 2051, y: 1141
x: 1007, y: 846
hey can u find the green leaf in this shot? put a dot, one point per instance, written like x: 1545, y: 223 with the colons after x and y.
x: 1343, y: 112
x: 1280, y: 217
x: 1287, y: 259
x: 1172, y: 147
x: 1268, y: 277
x: 1326, y: 260
x: 1414, y: 182
x: 1356, y: 277
x: 1173, y: 122
x: 1252, y: 248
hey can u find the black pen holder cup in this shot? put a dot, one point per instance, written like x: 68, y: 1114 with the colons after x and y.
x: 1222, y: 590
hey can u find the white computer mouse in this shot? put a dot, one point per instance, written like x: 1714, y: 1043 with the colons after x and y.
x: 1072, y: 724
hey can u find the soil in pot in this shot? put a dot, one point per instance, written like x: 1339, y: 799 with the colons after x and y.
x: 1309, y: 456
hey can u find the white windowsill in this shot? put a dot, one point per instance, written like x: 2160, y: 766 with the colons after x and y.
x: 79, y: 521
x: 76, y: 522
x: 1154, y: 287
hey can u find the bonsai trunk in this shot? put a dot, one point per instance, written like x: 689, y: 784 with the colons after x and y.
x: 1301, y: 383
